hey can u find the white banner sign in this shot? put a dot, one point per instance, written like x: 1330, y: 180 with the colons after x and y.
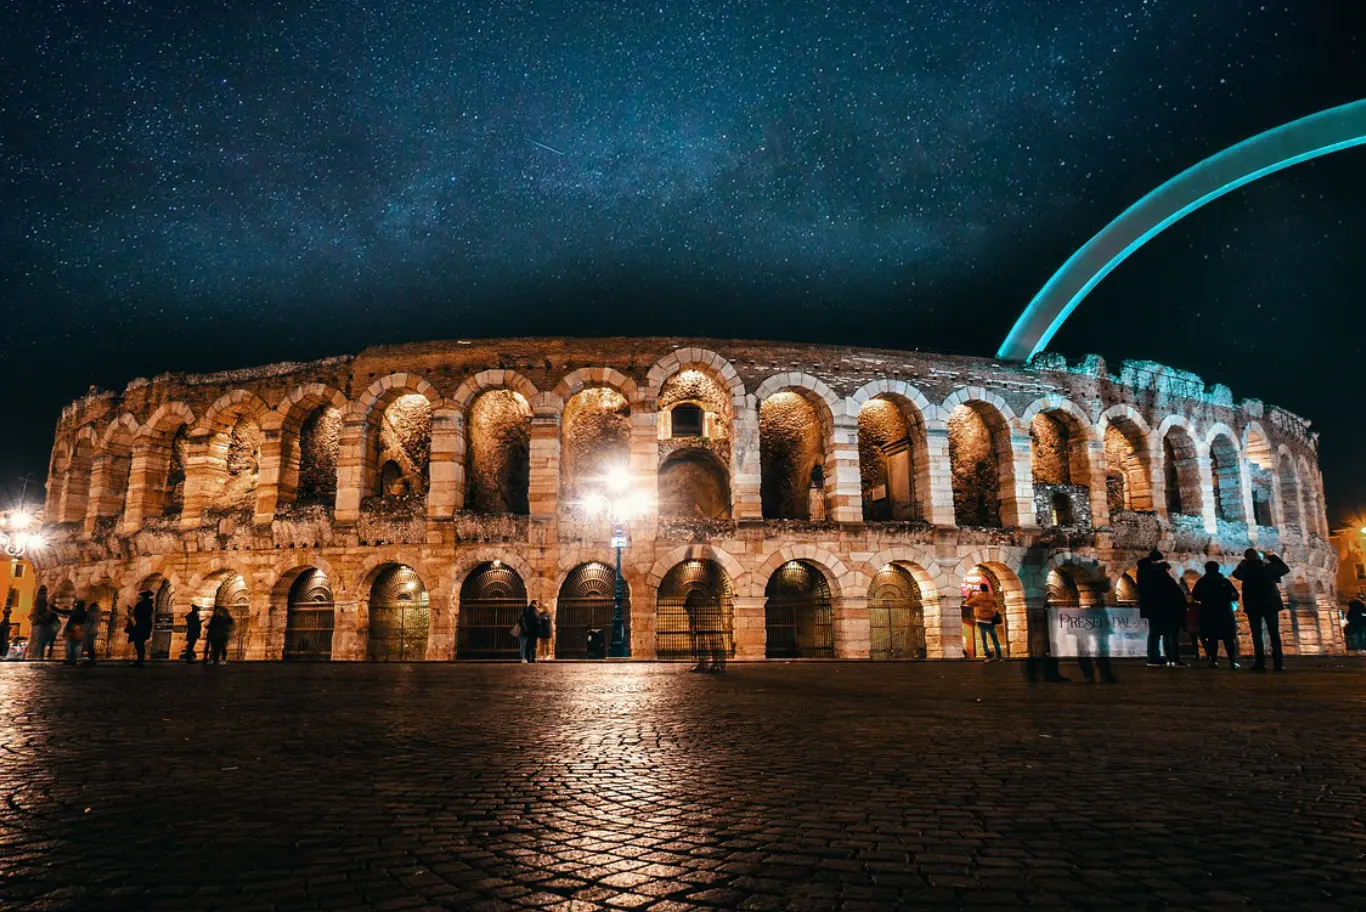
x: 1118, y: 632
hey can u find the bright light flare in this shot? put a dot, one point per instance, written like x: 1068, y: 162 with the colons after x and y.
x: 19, y: 520
x: 596, y: 505
x: 618, y: 478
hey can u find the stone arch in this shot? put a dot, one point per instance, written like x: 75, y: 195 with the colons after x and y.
x: 1011, y: 597
x: 893, y: 441
x: 308, y: 624
x: 407, y: 445
x: 1090, y: 577
x: 1060, y: 438
x: 595, y: 433
x: 1289, y: 490
x: 587, y: 377
x: 682, y: 358
x: 1259, y: 465
x: 794, y: 454
x: 1127, y: 439
x: 160, y: 453
x: 499, y: 379
x: 929, y: 574
x: 843, y: 580
x: 694, y: 616
x: 489, y: 600
x: 982, y: 459
x: 112, y: 472
x: 303, y: 458
x: 585, y: 598
x: 497, y: 446
x: 1181, y: 450
x: 696, y: 552
x: 228, y: 444
x: 227, y: 409
x: 1226, y: 473
x: 397, y: 613
x: 799, y: 612
x: 1311, y: 498
x: 76, y: 476
x: 467, y: 561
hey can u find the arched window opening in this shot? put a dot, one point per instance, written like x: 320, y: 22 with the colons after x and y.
x: 687, y: 420
x: 979, y: 448
x: 693, y: 485
x: 1260, y: 465
x: 1228, y: 481
x: 319, y: 446
x: 405, y: 447
x: 799, y: 616
x: 1127, y: 480
x: 1290, y: 492
x: 1050, y: 445
x: 891, y: 452
x: 113, y: 471
x: 586, y: 603
x: 1126, y: 591
x: 232, y: 595
x: 1181, y: 473
x: 400, y: 618
x: 76, y: 490
x: 791, y: 457
x: 896, y: 615
x: 498, y: 455
x: 177, y: 456
x: 693, y: 611
x: 491, y: 601
x: 696, y: 403
x: 310, y: 618
x: 596, y: 429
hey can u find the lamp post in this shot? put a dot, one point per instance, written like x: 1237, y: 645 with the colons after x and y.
x: 618, y: 503
x: 618, y: 648
x: 15, y: 539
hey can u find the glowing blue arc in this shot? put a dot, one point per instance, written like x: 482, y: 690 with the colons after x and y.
x: 1266, y: 153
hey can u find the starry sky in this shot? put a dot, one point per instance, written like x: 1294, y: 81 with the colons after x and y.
x: 206, y: 185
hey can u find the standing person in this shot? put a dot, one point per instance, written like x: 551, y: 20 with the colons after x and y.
x: 543, y: 631
x: 140, y: 627
x: 73, y: 635
x: 5, y: 628
x: 93, y: 616
x: 983, y: 605
x: 1163, y: 603
x: 220, y: 629
x: 1217, y: 596
x: 529, y: 631
x: 193, y: 627
x: 1356, y: 624
x: 1262, y: 603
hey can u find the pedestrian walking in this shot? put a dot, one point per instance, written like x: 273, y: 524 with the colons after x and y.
x: 528, y: 628
x: 139, y: 627
x: 73, y: 635
x: 220, y: 629
x: 93, y: 617
x: 193, y: 627
x: 1216, y: 597
x: 986, y: 617
x: 1162, y: 603
x: 1262, y: 604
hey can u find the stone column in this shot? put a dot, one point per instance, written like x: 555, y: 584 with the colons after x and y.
x: 268, y: 482
x: 843, y: 484
x: 950, y: 627
x: 747, y: 624
x: 1100, y: 504
x: 205, y: 475
x: 746, y: 500
x: 1157, y: 480
x: 348, y: 641
x: 446, y: 474
x: 644, y: 454
x: 104, y: 499
x: 853, y: 631
x: 543, y: 490
x: 351, y: 458
x: 144, y: 496
x: 939, y: 496
x: 1204, y: 467
x: 1017, y: 500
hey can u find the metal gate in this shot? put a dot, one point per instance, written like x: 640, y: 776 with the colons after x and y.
x: 693, y: 612
x: 232, y: 595
x: 586, y: 602
x: 163, y: 622
x: 309, y: 618
x: 797, y: 616
x: 399, y: 617
x: 896, y: 616
x: 491, y: 601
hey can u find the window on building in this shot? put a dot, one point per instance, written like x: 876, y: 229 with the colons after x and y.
x: 19, y: 571
x: 1361, y: 571
x: 687, y: 420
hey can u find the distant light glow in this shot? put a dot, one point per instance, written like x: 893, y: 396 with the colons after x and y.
x: 618, y: 478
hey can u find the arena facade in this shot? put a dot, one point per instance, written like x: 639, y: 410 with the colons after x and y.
x: 405, y: 502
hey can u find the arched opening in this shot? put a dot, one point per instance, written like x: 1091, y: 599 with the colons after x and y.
x: 799, y: 614
x: 1057, y: 446
x: 896, y: 615
x: 586, y: 602
x: 1061, y: 591
x: 172, y: 489
x: 1181, y: 471
x: 792, y: 434
x: 113, y: 468
x: 1315, y: 522
x: 1228, y: 480
x: 893, y: 461
x: 1260, y: 466
x: 1126, y: 591
x: 498, y: 454
x: 310, y: 618
x: 400, y: 617
x: 693, y: 484
x: 972, y: 582
x: 693, y: 611
x: 596, y: 435
x: 232, y: 595
x: 163, y: 615
x: 234, y: 465
x: 695, y: 402
x: 403, y: 448
x: 1290, y: 492
x: 491, y: 601
x: 319, y: 444
x: 1128, y: 474
x: 980, y: 464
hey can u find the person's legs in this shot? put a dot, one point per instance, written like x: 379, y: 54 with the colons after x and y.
x: 1169, y: 645
x: 141, y: 647
x: 995, y: 640
x: 1154, y: 643
x: 1258, y: 650
x: 73, y: 648
x: 1231, y: 647
x: 986, y: 646
x: 1273, y: 633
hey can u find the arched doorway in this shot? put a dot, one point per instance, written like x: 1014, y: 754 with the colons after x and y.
x: 798, y: 614
x: 693, y: 611
x: 896, y: 615
x: 491, y: 601
x: 585, y: 603
x: 163, y: 619
x: 232, y: 595
x: 310, y: 617
x: 399, y: 616
x: 972, y: 582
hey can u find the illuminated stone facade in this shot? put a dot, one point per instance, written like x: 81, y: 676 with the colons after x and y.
x: 822, y: 501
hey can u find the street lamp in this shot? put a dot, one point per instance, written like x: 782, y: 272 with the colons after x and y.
x: 15, y: 539
x: 619, y: 503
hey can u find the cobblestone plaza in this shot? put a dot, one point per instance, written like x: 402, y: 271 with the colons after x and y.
x: 830, y: 785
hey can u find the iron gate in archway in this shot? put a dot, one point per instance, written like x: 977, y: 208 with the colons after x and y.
x: 798, y: 616
x: 896, y: 615
x: 163, y: 622
x: 233, y: 596
x: 309, y: 618
x: 585, y: 603
x: 693, y: 612
x: 400, y: 617
x: 491, y: 601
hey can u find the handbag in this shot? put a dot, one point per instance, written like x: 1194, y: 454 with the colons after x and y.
x: 516, y: 630
x: 996, y: 619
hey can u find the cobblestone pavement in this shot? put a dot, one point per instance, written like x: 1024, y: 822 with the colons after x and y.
x: 578, y: 786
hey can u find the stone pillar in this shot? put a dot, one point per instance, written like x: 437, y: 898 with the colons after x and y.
x: 950, y: 627
x: 746, y: 499
x: 843, y: 484
x: 348, y: 635
x: 146, y: 487
x: 1157, y: 480
x: 644, y: 454
x: 268, y: 481
x: 351, y: 458
x: 853, y: 631
x: 1330, y: 628
x: 1204, y: 467
x: 749, y: 628
x: 1100, y: 503
x: 445, y: 473
x: 260, y: 637
x: 939, y: 495
x: 1017, y: 493
x: 543, y: 490
x: 205, y: 475
x: 104, y: 497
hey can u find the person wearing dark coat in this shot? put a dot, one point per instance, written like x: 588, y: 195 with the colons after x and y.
x: 1163, y: 604
x: 220, y: 629
x: 1262, y: 603
x: 74, y: 633
x: 1217, y: 596
x: 193, y: 628
x: 1356, y: 624
x: 140, y: 627
x: 529, y: 626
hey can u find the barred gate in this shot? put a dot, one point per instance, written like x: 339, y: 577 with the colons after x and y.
x: 399, y: 617
x: 163, y: 622
x: 694, y: 610
x: 798, y: 616
x: 233, y: 596
x: 309, y: 618
x: 586, y: 602
x: 491, y: 601
x: 896, y: 615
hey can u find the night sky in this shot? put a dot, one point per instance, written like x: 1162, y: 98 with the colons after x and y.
x: 206, y: 185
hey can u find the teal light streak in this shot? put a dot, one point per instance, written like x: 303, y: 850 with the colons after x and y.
x: 1266, y: 153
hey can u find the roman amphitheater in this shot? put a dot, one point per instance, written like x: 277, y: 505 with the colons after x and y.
x: 404, y: 503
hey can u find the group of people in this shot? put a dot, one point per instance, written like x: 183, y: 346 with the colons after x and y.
x: 1163, y: 603
x: 532, y: 629
x: 78, y: 629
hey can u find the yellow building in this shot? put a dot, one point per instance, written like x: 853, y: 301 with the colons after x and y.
x: 18, y: 583
x: 1351, y: 547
